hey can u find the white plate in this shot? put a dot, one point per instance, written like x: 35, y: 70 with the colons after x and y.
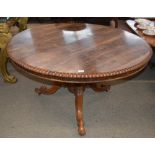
x: 149, y: 32
x: 142, y: 27
x: 142, y: 21
x: 145, y: 27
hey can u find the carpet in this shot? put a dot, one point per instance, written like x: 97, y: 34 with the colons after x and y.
x: 128, y: 110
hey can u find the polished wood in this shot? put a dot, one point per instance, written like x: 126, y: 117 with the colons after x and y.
x: 78, y: 91
x: 91, y: 54
x: 78, y: 56
x: 79, y: 109
x: 150, y: 39
x: 47, y: 91
x: 97, y: 87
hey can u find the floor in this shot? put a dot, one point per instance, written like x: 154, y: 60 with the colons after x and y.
x: 128, y: 110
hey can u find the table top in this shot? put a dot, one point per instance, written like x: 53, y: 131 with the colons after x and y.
x: 149, y: 39
x: 78, y: 52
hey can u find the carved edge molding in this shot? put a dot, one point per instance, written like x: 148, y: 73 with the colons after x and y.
x: 81, y: 75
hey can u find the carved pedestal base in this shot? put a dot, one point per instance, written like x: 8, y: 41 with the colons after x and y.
x: 47, y: 91
x: 100, y: 87
x: 78, y: 91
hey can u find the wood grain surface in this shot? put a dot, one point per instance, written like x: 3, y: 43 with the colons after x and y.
x: 79, y: 52
x: 78, y: 56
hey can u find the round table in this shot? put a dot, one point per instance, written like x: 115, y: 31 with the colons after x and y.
x: 78, y: 56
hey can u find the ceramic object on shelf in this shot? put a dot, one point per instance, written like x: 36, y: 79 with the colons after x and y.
x: 142, y: 21
x: 150, y: 32
x: 146, y: 26
x: 142, y: 26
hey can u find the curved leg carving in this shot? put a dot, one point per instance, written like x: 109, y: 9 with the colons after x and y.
x: 47, y: 91
x: 79, y: 110
x: 100, y: 87
x: 72, y: 90
x: 3, y: 65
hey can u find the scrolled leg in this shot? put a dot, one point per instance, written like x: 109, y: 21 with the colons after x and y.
x: 79, y: 110
x: 47, y: 91
x: 99, y: 87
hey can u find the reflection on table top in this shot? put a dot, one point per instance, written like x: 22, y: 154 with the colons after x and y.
x: 93, y: 50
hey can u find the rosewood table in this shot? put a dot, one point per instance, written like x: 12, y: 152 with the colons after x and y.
x: 78, y: 56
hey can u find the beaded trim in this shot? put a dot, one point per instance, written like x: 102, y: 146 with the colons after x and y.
x: 81, y: 75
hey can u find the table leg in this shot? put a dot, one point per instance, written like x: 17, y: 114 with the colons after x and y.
x: 78, y: 91
x: 79, y: 109
x: 47, y: 91
x: 100, y: 87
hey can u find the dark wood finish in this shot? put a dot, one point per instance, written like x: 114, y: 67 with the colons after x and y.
x: 78, y: 91
x: 92, y: 54
x: 79, y: 109
x: 78, y: 56
x: 97, y: 87
x: 150, y: 39
x: 47, y: 91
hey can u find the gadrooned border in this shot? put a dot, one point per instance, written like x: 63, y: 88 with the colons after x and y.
x: 81, y: 75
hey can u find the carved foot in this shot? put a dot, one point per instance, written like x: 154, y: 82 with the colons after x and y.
x: 79, y: 110
x: 100, y: 87
x: 47, y: 91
